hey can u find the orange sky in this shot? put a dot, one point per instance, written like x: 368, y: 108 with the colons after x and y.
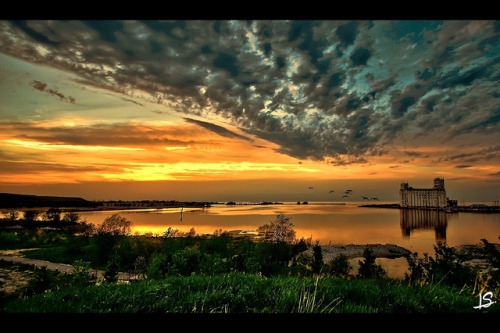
x: 61, y: 135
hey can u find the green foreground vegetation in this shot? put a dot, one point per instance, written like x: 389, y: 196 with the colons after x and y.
x: 186, y: 273
x: 244, y: 293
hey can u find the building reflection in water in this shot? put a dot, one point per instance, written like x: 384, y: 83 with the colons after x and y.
x: 416, y: 219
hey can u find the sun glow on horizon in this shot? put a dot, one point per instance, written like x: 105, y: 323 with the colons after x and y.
x: 256, y: 109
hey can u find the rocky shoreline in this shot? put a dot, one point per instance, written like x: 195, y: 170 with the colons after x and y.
x: 355, y: 251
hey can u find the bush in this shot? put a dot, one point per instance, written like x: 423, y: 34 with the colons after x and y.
x: 115, y: 225
x: 10, y: 240
x: 279, y: 230
x: 159, y: 266
x: 81, y: 273
x: 100, y: 247
x: 339, y: 266
x: 447, y: 267
x: 111, y: 272
x: 317, y: 265
x: 419, y: 269
x: 493, y: 256
x: 368, y: 268
x: 213, y: 264
x: 41, y: 281
x: 302, y: 264
x: 185, y: 262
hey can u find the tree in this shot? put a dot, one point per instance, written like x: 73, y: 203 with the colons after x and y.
x: 317, y: 264
x: 81, y: 273
x: 280, y: 230
x: 111, y: 272
x: 12, y: 215
x: 140, y: 267
x: 368, y: 268
x: 493, y: 256
x: 53, y: 215
x: 31, y: 215
x: 159, y: 266
x: 71, y: 217
x: 339, y: 266
x: 84, y: 228
x: 302, y: 263
x: 191, y: 233
x: 419, y: 269
x: 41, y: 281
x: 449, y: 266
x: 115, y: 225
x: 170, y: 232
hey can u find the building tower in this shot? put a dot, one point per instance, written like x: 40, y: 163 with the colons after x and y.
x: 435, y: 197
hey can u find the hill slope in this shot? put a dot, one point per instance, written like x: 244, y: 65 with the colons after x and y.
x: 8, y: 200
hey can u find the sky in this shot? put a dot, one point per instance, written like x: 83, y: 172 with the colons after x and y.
x: 240, y: 110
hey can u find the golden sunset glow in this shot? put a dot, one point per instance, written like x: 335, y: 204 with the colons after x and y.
x: 272, y: 115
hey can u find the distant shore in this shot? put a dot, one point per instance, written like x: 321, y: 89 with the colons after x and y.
x: 22, y: 202
x: 456, y: 209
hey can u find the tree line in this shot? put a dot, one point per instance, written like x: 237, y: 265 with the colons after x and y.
x: 111, y: 247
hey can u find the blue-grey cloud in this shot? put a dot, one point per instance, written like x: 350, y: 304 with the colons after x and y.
x: 32, y: 33
x: 217, y: 129
x: 360, y: 56
x: 318, y: 89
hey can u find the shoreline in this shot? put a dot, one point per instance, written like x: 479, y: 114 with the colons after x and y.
x: 351, y: 251
x: 485, y: 209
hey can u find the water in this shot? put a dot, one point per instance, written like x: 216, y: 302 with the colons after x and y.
x: 415, y: 230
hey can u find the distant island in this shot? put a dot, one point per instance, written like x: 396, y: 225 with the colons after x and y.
x: 8, y: 200
x: 19, y: 201
x: 382, y: 205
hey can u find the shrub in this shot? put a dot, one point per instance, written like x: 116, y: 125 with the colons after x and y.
x: 493, y: 257
x: 140, y: 267
x: 10, y: 240
x: 339, y: 266
x: 185, y: 262
x: 41, y: 281
x: 111, y: 272
x: 302, y: 264
x: 81, y: 273
x: 317, y: 264
x: 447, y: 267
x: 213, y: 264
x: 368, y: 268
x: 115, y: 225
x: 100, y: 247
x: 159, y: 266
x: 279, y: 230
x: 419, y: 269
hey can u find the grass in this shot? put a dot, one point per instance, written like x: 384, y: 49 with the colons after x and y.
x: 204, y: 289
x: 243, y: 293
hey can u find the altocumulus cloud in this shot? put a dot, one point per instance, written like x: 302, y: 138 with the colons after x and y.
x: 325, y: 90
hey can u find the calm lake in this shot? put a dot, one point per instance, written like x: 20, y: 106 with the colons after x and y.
x: 328, y: 223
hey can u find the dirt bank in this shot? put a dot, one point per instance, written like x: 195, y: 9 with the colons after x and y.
x: 15, y: 257
x: 354, y: 251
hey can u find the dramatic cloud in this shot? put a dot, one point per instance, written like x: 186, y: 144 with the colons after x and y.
x: 43, y: 87
x: 331, y: 91
x: 217, y: 129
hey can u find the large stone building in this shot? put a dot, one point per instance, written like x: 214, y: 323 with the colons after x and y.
x: 435, y: 197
